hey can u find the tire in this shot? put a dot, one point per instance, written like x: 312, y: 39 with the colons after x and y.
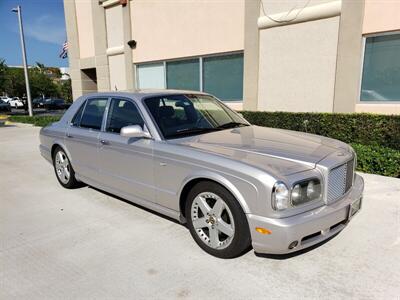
x: 64, y: 172
x: 224, y: 232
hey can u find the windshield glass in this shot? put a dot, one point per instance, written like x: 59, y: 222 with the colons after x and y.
x: 191, y: 114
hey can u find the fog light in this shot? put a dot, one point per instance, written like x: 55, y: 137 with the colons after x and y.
x: 293, y: 245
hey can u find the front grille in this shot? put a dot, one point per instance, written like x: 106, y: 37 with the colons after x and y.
x: 340, y: 180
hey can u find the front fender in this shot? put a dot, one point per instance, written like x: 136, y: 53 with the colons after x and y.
x: 247, y: 189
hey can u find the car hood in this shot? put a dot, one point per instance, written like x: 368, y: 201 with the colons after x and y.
x: 281, y: 152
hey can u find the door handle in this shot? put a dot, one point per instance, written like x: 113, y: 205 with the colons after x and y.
x: 104, y: 142
x: 69, y: 136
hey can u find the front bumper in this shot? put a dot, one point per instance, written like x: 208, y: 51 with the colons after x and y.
x: 308, y: 228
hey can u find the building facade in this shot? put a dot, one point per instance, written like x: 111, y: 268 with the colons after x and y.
x: 290, y: 55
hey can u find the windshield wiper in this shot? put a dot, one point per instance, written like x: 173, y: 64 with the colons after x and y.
x: 189, y: 131
x: 232, y: 125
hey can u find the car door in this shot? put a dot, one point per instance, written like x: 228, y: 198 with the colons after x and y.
x: 126, y: 164
x: 82, y: 137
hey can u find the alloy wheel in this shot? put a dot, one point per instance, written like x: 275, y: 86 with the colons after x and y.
x: 62, y: 166
x: 212, y: 220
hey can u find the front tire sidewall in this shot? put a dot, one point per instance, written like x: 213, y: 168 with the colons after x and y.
x: 241, y: 240
x: 72, y: 182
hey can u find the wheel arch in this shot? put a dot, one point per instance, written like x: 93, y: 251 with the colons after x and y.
x: 191, y: 181
x: 58, y: 143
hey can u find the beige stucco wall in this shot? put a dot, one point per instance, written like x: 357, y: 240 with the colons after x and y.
x: 84, y: 20
x: 381, y: 15
x: 384, y: 108
x: 166, y: 29
x: 115, y: 33
x: 117, y: 74
x: 297, y: 63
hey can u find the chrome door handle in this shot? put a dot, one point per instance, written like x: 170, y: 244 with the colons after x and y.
x: 69, y: 136
x: 104, y: 142
x: 163, y: 164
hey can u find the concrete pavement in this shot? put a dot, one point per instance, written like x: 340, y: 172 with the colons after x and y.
x: 57, y: 243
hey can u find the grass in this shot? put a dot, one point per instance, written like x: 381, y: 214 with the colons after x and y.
x: 40, y: 121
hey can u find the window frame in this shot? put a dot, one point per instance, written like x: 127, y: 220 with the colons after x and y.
x: 84, y: 108
x: 364, y: 44
x: 200, y: 59
x: 108, y: 111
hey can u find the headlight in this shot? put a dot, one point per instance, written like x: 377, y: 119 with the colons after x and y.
x: 305, y: 191
x: 280, y: 196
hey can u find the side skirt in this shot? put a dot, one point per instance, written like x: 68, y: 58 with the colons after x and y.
x: 142, y: 202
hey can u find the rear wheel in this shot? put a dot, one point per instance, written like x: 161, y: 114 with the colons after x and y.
x: 216, y: 221
x: 63, y: 169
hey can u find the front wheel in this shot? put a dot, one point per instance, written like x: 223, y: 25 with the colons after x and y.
x: 216, y: 221
x: 63, y: 169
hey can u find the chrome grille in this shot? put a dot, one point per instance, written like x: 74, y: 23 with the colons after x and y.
x: 340, y: 180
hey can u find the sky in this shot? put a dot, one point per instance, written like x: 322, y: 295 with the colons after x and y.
x: 44, y: 27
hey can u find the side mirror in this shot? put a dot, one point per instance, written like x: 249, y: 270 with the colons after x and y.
x: 134, y: 131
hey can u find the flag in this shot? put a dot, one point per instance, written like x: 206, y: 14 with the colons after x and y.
x: 64, y: 51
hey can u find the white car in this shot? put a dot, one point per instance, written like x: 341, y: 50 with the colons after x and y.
x: 15, y: 102
x: 5, y: 98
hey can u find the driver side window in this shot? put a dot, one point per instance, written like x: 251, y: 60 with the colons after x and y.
x: 122, y: 113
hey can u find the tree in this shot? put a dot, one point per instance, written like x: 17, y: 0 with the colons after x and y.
x: 66, y: 90
x: 3, y: 74
x: 44, y: 81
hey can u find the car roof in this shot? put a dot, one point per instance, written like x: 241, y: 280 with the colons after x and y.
x: 144, y: 93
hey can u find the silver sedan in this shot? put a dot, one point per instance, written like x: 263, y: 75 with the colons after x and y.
x: 188, y: 156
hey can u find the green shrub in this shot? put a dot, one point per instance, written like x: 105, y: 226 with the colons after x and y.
x: 365, y: 129
x: 378, y: 160
x: 375, y: 138
x: 41, y: 121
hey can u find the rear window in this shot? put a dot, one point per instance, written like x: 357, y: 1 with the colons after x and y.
x: 92, y: 116
x: 78, y: 116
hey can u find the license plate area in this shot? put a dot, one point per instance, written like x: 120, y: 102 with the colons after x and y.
x: 354, y: 208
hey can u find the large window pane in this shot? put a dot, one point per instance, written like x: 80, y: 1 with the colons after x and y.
x: 122, y: 113
x: 93, y: 115
x: 183, y: 75
x: 223, y: 76
x: 381, y: 72
x: 151, y: 76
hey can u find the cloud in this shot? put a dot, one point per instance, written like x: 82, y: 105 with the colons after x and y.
x: 46, y: 28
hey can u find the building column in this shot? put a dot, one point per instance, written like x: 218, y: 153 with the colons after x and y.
x: 100, y: 47
x: 73, y: 48
x: 349, y: 57
x: 127, y: 28
x: 251, y: 54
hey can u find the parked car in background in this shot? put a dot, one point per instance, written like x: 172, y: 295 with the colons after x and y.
x: 16, y: 102
x: 53, y: 104
x: 5, y: 98
x: 190, y: 157
x: 38, y: 102
x: 4, y: 106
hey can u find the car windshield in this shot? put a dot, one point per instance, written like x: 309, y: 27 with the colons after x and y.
x: 190, y: 114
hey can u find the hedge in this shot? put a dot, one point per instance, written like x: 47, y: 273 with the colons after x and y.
x: 375, y: 138
x: 365, y: 129
x: 378, y: 160
x: 35, y: 120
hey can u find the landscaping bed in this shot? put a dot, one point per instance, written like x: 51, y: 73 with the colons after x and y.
x: 375, y: 138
